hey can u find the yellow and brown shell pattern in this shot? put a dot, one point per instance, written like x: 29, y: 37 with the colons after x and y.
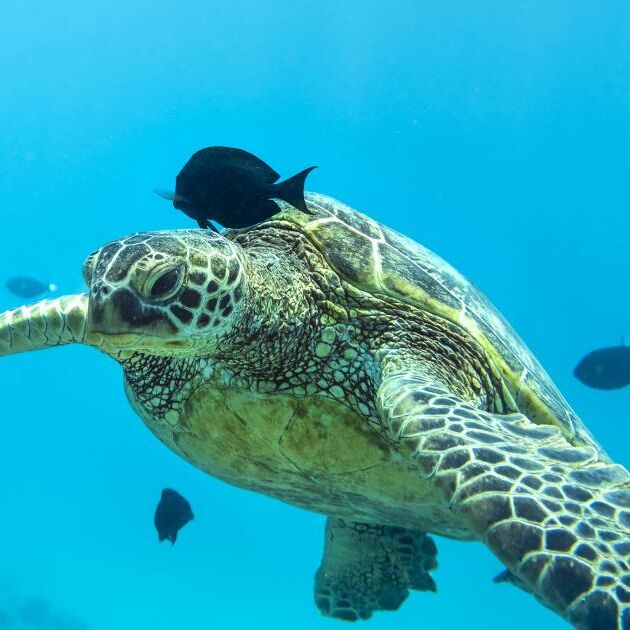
x: 380, y: 261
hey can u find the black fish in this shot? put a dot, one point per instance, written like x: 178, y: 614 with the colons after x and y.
x: 233, y: 188
x: 26, y: 287
x: 171, y: 514
x: 607, y: 368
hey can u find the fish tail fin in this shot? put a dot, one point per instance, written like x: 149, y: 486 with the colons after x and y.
x: 292, y: 190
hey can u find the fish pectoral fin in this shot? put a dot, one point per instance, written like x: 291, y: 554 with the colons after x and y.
x: 167, y: 194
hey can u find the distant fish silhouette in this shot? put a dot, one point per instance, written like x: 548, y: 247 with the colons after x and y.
x: 26, y: 287
x: 606, y: 368
x: 233, y: 188
x: 509, y: 577
x: 171, y: 514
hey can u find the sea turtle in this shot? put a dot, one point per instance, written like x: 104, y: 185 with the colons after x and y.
x: 334, y: 364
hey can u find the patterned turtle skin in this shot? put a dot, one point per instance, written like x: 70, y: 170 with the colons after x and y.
x: 331, y: 363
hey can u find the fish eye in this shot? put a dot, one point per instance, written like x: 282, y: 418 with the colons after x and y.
x: 163, y: 284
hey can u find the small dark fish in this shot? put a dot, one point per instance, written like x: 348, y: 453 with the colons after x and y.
x: 171, y: 514
x: 26, y: 287
x: 509, y: 577
x: 606, y: 368
x: 233, y: 188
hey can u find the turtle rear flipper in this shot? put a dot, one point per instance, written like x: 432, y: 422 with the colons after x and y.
x: 368, y: 567
x: 553, y: 513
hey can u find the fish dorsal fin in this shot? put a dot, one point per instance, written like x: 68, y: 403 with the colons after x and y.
x: 240, y: 158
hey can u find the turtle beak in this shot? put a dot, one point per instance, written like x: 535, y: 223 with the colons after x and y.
x: 45, y: 324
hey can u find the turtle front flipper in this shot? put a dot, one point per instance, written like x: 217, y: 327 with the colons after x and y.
x: 46, y: 324
x: 368, y: 567
x: 554, y: 514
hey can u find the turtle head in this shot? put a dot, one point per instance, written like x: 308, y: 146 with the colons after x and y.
x: 159, y: 292
x: 164, y: 292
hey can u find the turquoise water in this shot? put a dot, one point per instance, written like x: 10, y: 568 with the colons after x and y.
x: 494, y: 133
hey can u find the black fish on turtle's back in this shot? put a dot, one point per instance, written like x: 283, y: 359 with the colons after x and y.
x: 606, y: 368
x: 233, y: 188
x: 172, y: 513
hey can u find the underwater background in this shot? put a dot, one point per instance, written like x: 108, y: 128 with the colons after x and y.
x: 495, y: 133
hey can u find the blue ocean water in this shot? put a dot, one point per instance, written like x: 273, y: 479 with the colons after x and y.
x: 494, y: 133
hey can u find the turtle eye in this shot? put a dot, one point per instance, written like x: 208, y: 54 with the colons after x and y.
x: 164, y: 285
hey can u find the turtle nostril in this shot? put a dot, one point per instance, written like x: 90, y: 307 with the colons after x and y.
x: 100, y: 290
